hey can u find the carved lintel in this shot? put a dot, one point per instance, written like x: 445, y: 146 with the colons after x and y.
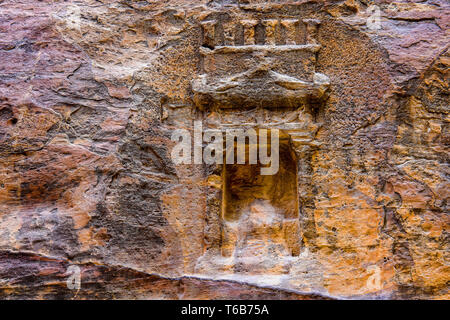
x: 226, y: 33
x: 259, y: 48
x: 258, y: 87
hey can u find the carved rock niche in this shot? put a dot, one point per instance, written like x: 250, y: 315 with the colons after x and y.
x: 258, y: 72
x: 260, y: 212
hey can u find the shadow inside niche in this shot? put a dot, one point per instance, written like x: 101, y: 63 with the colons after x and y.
x: 260, y: 212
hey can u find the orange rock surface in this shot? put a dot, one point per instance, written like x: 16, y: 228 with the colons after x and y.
x: 91, y: 91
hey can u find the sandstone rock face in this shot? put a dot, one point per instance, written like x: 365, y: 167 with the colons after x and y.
x: 91, y: 92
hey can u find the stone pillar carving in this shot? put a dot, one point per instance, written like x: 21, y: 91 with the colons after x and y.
x: 249, y: 31
x: 209, y: 33
x: 270, y: 27
x: 229, y: 30
x: 312, y: 26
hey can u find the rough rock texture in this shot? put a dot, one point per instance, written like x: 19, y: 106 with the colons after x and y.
x: 91, y: 91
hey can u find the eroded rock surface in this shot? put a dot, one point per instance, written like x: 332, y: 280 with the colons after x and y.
x: 91, y: 91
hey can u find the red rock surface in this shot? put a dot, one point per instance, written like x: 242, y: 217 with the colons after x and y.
x: 90, y: 92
